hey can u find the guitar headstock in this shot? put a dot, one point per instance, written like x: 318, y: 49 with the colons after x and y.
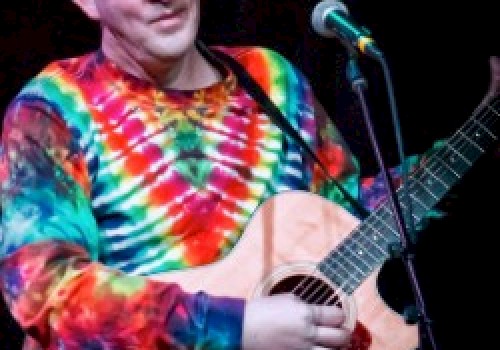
x: 494, y: 87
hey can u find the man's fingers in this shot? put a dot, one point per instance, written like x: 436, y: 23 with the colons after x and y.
x: 331, y: 337
x: 322, y: 315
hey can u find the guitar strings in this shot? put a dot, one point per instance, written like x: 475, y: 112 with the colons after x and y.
x: 478, y: 124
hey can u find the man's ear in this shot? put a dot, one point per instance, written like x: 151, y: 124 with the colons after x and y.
x: 88, y: 7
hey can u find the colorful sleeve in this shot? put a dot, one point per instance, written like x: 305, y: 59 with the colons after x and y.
x: 369, y: 191
x: 338, y: 163
x: 50, y: 273
x: 342, y: 166
x: 375, y: 192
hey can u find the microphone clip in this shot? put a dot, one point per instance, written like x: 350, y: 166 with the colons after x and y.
x: 353, y: 73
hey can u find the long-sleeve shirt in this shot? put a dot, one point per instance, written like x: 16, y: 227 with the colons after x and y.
x: 107, y: 179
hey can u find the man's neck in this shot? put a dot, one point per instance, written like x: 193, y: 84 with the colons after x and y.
x: 190, y: 71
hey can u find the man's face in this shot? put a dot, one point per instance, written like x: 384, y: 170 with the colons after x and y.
x: 148, y: 29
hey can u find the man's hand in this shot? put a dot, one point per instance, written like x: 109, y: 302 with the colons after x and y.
x: 284, y: 322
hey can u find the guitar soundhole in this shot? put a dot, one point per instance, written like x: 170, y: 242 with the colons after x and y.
x: 309, y: 288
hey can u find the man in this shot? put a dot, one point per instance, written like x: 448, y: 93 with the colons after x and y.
x: 58, y: 206
x: 148, y: 156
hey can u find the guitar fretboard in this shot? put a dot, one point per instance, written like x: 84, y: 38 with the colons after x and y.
x: 367, y: 247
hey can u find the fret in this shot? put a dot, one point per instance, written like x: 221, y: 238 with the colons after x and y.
x: 335, y: 271
x: 374, y: 251
x: 440, y: 180
x: 390, y: 225
x: 378, y: 236
x: 447, y: 172
x: 403, y: 205
x: 417, y: 200
x: 485, y: 129
x: 337, y: 262
x: 428, y: 186
x: 357, y: 258
x: 481, y: 138
x: 416, y: 217
x: 365, y: 252
x: 417, y: 184
x: 374, y: 237
x: 471, y: 141
x: 339, y: 275
x: 352, y: 262
x: 397, y: 234
x: 466, y: 161
x: 482, y: 135
x: 495, y: 111
x: 472, y: 154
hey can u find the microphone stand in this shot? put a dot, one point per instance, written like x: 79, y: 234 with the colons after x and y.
x: 405, y: 249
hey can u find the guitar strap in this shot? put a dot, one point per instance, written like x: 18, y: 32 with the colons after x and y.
x: 254, y: 89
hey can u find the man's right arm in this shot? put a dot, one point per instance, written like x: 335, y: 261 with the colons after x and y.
x: 49, y: 271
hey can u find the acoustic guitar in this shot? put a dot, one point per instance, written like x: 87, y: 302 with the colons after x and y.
x: 301, y: 243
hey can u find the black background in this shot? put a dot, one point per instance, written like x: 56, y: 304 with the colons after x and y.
x: 438, y: 56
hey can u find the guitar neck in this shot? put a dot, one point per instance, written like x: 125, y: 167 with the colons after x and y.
x: 366, y: 248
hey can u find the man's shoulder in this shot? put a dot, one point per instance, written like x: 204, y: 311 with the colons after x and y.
x: 68, y: 65
x: 56, y: 76
x: 252, y: 55
x: 52, y: 83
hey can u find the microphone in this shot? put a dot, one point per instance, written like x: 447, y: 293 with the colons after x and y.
x: 330, y: 18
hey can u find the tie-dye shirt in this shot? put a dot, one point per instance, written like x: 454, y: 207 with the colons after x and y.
x: 108, y: 179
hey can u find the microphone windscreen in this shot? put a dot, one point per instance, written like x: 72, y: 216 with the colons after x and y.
x: 319, y: 13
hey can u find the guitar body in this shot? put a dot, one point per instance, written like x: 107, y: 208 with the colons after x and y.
x: 288, y: 235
